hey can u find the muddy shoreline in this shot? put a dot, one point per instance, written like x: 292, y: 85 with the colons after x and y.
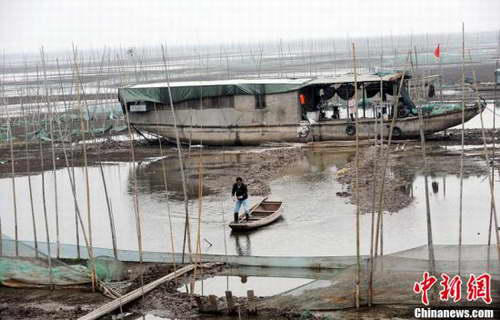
x: 259, y: 166
x: 166, y: 301
x: 265, y: 162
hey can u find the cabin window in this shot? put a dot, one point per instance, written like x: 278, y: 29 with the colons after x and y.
x: 260, y: 101
x: 216, y: 102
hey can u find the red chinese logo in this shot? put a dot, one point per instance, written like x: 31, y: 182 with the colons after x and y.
x: 477, y: 287
x: 451, y: 289
x: 424, y: 286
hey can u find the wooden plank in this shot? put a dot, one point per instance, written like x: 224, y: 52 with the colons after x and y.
x: 231, y: 309
x: 252, y: 305
x: 201, y: 308
x: 115, y: 304
x: 212, y: 306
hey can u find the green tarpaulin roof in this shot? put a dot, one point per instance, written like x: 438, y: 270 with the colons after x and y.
x: 189, y: 90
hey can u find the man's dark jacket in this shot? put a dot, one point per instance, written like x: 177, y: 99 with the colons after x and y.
x: 241, y: 191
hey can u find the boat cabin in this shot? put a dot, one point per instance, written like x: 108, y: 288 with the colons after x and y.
x: 255, y: 111
x: 258, y: 102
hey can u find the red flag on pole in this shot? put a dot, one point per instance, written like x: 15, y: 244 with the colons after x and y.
x: 437, y: 52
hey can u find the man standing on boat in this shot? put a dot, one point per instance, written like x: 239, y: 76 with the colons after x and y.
x: 240, y: 195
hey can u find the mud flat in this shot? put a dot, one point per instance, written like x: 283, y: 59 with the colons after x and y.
x: 371, y: 173
x: 403, y: 163
x: 165, y: 302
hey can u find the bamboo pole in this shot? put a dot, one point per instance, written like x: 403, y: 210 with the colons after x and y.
x: 487, y: 158
x: 494, y: 137
x: 462, y: 152
x: 137, y: 213
x: 30, y: 188
x: 181, y: 162
x: 95, y: 281
x: 85, y: 163
x: 200, y: 196
x: 47, y: 237
x: 84, y: 147
x: 374, y: 194
x: 13, y: 181
x: 71, y: 176
x: 165, y: 183
x: 358, y: 244
x: 101, y: 171
x: 72, y: 172
x: 51, y: 132
x: 12, y: 160
x: 99, y: 162
x: 386, y: 160
x: 430, y: 242
x: 115, y: 304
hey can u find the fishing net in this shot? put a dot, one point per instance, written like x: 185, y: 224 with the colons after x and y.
x: 394, y: 278
x: 30, y: 267
x: 438, y: 108
x: 67, y: 124
x: 107, y: 268
x: 27, y: 272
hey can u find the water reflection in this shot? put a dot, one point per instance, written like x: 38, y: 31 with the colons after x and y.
x: 150, y: 180
x: 316, y: 221
x: 242, y: 243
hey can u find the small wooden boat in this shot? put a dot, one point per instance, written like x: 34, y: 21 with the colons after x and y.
x: 261, y: 214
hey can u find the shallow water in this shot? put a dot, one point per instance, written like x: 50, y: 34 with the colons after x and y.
x: 262, y: 286
x: 315, y: 222
x: 218, y: 317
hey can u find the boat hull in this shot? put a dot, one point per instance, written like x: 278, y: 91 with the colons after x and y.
x: 243, y: 225
x: 330, y: 130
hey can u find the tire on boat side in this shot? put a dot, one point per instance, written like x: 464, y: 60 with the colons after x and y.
x: 396, y: 132
x: 350, y: 130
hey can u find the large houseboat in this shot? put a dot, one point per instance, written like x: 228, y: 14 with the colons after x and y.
x: 253, y: 112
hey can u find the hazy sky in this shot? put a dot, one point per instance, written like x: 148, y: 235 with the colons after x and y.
x: 28, y: 24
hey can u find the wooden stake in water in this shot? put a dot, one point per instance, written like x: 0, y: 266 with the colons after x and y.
x: 13, y: 179
x: 28, y: 172
x: 99, y: 162
x: 187, y: 233
x: 72, y: 172
x: 45, y: 215
x: 165, y: 183
x: 430, y: 242
x: 358, y: 244
x: 378, y: 228
x: 12, y: 160
x: 494, y: 136
x: 84, y: 147
x: 487, y: 158
x: 462, y: 152
x: 138, y: 221
x: 51, y: 132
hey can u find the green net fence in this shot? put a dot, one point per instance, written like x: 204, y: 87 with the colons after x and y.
x: 30, y: 268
